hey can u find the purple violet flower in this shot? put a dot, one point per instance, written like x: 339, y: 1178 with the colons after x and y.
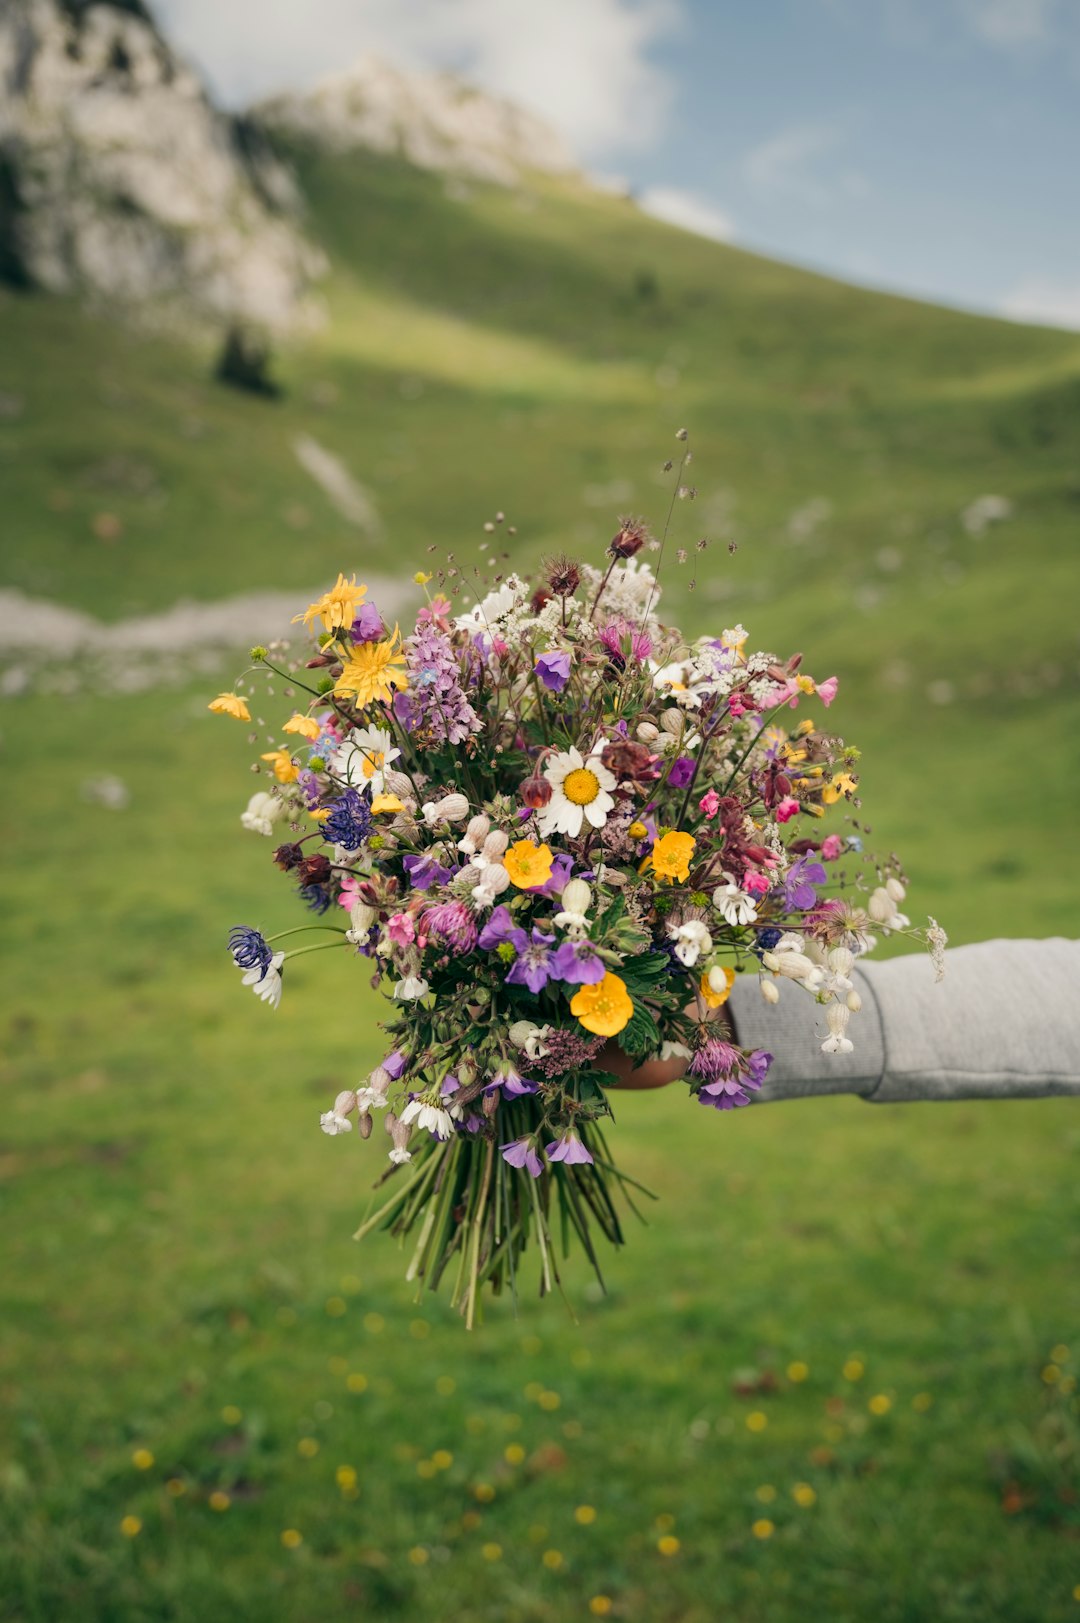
x: 562, y: 870
x: 500, y: 927
x: 553, y: 669
x: 681, y: 775
x: 570, y: 1149
x: 512, y: 1083
x: 521, y: 1153
x: 533, y: 966
x: 798, y: 883
x: 424, y: 871
x: 368, y: 625
x: 578, y: 963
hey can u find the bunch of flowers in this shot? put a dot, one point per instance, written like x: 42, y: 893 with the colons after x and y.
x: 545, y: 823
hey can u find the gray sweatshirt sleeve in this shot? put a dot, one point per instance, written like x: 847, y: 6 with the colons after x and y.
x: 1004, y: 1023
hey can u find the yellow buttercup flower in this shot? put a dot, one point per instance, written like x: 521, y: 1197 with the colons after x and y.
x: 671, y: 856
x: 230, y: 704
x: 841, y: 783
x: 712, y: 999
x: 337, y: 607
x: 604, y: 1008
x: 387, y: 803
x: 282, y: 764
x: 306, y: 726
x: 372, y: 671
x: 528, y: 864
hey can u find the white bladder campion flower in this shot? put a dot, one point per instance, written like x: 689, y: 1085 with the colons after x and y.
x: 336, y: 1119
x: 837, y: 1016
x: 427, y: 1115
x: 733, y: 904
x: 692, y: 941
x: 262, y: 812
x: 412, y: 987
x: 574, y: 915
x: 529, y: 1037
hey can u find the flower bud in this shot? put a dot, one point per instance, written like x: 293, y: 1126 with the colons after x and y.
x: 475, y: 833
x: 535, y: 792
x: 365, y: 1125
x: 769, y: 991
x: 895, y: 890
x: 673, y: 721
x: 853, y: 1001
x: 495, y: 879
x: 881, y: 906
x: 453, y: 808
x: 841, y: 961
x: 495, y: 845
x: 647, y: 732
x: 576, y: 896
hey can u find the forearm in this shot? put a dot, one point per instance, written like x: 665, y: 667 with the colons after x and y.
x: 1004, y: 1023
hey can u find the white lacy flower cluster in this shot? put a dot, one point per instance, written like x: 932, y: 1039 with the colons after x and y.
x: 824, y: 972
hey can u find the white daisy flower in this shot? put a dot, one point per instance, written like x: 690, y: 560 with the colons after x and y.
x: 579, y: 793
x: 433, y: 1117
x: 266, y: 983
x: 363, y: 759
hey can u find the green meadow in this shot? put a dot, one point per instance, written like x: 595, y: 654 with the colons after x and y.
x: 834, y: 1374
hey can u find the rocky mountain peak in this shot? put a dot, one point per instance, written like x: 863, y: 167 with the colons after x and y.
x: 120, y: 180
x: 432, y: 120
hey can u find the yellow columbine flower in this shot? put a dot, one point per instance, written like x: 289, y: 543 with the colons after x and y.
x: 671, y: 856
x: 841, y: 783
x: 372, y: 671
x: 282, y: 763
x: 714, y: 1000
x: 805, y: 727
x: 230, y: 704
x: 306, y: 726
x: 387, y: 803
x: 528, y: 865
x: 337, y: 607
x: 605, y: 1007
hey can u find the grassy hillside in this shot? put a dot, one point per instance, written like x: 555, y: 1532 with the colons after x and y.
x: 192, y: 1340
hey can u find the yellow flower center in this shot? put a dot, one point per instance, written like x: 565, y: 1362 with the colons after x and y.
x: 581, y: 786
x: 373, y: 763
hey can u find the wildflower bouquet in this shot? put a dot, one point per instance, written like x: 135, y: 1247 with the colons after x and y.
x: 547, y: 823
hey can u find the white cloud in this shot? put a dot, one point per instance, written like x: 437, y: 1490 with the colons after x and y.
x: 1010, y: 22
x: 785, y: 162
x: 1051, y: 304
x: 584, y: 65
x: 687, y: 210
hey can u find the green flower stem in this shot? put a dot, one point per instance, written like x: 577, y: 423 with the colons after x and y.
x: 319, y: 946
x: 298, y: 929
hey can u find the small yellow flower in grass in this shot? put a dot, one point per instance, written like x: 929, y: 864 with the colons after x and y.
x: 176, y: 1487
x: 484, y: 1492
x: 604, y: 1008
x: 854, y: 1369
x: 711, y: 998
x: 230, y: 704
x: 552, y: 1559
x: 600, y: 1605
x: 336, y: 1306
x: 585, y: 1515
x: 446, y: 1386
x: 292, y: 1538
x: 337, y: 607
x: 231, y: 1415
x: 528, y: 864
x: 356, y: 1382
x: 668, y: 1545
x: 442, y: 1459
x: 804, y: 1495
x: 757, y: 1420
x: 418, y: 1556
x: 880, y: 1404
x: 218, y: 1500
x: 1076, y: 1592
x: 671, y: 856
x: 306, y: 726
x: 491, y: 1552
x: 765, y: 1494
x: 798, y: 1371
x: 307, y: 1448
x: 372, y: 671
x: 1051, y: 1374
x: 1059, y: 1354
x: 549, y: 1401
x: 374, y: 1324
x: 763, y: 1527
x: 142, y: 1459
x: 425, y: 1470
x: 513, y: 1453
x: 664, y: 1522
x: 284, y: 769
x: 131, y: 1527
x: 345, y: 1476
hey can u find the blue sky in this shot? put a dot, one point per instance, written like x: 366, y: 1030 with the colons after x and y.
x: 928, y: 146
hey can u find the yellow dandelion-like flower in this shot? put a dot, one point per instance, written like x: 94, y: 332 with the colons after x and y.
x: 131, y: 1527
x: 282, y: 765
x: 763, y: 1527
x: 142, y: 1459
x: 585, y: 1515
x: 230, y: 704
x: 218, y: 1500
x: 668, y: 1545
x: 306, y: 726
x: 292, y: 1538
x: 671, y: 856
x: 528, y: 864
x: 337, y: 607
x: 372, y: 671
